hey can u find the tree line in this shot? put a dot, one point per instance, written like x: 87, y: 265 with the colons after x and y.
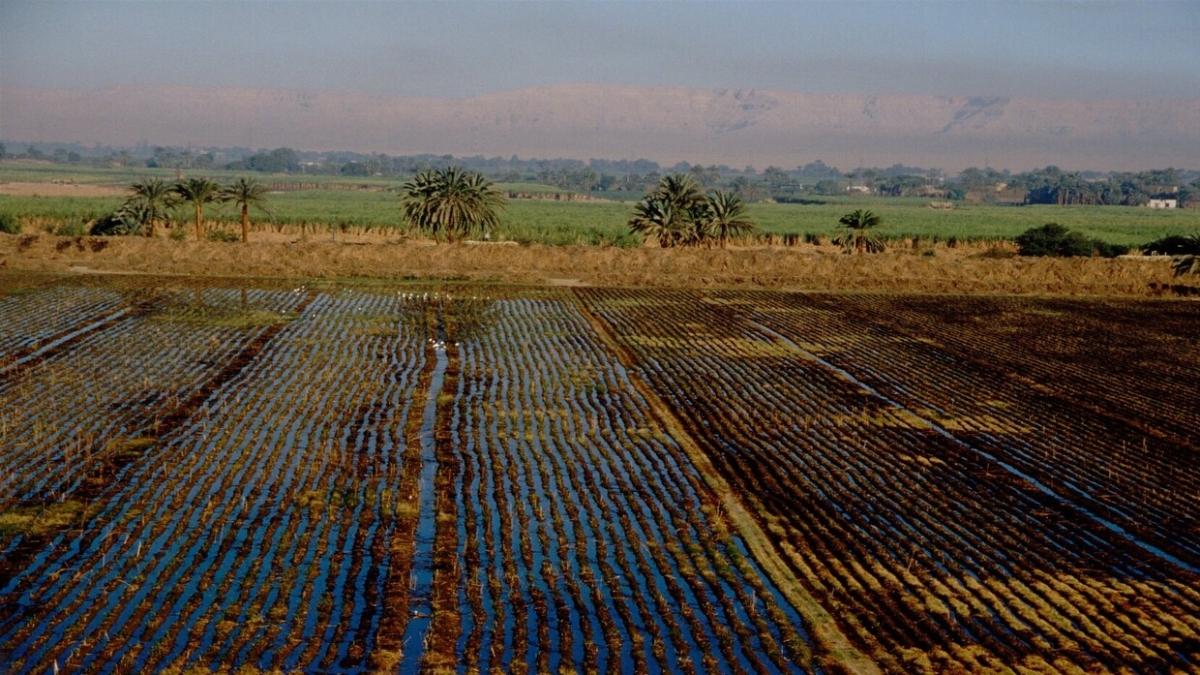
x: 1055, y: 186
x: 1049, y: 185
x: 151, y: 201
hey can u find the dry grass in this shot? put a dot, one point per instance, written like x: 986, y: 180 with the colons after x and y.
x: 958, y: 270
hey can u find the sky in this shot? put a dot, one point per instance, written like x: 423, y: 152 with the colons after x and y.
x: 449, y: 49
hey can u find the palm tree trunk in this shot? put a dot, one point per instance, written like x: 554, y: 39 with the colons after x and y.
x: 245, y: 223
x: 199, y: 218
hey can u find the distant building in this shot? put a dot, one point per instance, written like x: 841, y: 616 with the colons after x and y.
x: 1163, y: 203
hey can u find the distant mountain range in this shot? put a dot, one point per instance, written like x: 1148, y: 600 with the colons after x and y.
x: 736, y: 127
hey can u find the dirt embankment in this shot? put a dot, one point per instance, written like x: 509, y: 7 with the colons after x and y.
x: 808, y: 268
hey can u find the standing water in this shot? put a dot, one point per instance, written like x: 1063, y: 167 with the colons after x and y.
x: 420, y: 607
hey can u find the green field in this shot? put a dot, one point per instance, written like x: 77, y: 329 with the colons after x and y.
x: 902, y: 217
x: 371, y: 203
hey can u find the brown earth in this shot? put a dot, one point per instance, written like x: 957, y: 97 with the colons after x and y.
x: 794, y: 268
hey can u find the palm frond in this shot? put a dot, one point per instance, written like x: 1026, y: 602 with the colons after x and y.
x: 1186, y: 264
x: 1174, y: 244
x: 681, y: 190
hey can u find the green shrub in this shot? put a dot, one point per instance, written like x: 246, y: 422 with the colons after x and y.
x: 1051, y: 239
x: 1107, y: 250
x: 9, y: 224
x: 1055, y: 240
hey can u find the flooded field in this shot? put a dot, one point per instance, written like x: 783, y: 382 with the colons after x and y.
x: 373, y: 477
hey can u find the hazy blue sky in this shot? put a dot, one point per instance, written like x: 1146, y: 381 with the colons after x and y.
x: 1089, y: 49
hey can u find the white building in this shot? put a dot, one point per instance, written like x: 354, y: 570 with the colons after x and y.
x: 1163, y: 203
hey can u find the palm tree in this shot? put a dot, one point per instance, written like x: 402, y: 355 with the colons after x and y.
x: 727, y: 217
x: 856, y: 237
x: 658, y: 219
x: 246, y: 192
x: 451, y: 202
x: 1183, y: 249
x: 153, y: 198
x: 199, y: 191
x: 676, y: 212
x: 131, y: 218
x: 681, y: 190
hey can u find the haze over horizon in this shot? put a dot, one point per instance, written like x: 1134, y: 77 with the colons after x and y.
x: 1082, y: 52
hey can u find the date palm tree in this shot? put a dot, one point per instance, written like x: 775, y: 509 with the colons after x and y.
x: 451, y: 202
x: 152, y: 199
x: 676, y: 212
x: 857, y: 236
x: 727, y: 217
x: 246, y: 192
x: 131, y: 218
x: 681, y: 190
x: 655, y: 218
x: 1183, y: 249
x: 199, y: 191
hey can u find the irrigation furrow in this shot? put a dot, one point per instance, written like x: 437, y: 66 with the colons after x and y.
x: 42, y: 317
x: 994, y: 414
x: 366, y: 479
x: 72, y: 424
x: 561, y: 430
x: 893, y: 525
x: 273, y: 518
x: 420, y: 601
x: 1149, y: 548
